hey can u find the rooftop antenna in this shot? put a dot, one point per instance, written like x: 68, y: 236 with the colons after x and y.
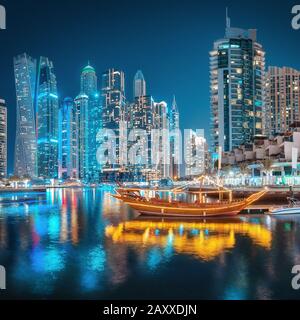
x: 227, y: 19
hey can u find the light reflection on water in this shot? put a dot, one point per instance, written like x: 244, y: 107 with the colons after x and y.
x: 82, y: 243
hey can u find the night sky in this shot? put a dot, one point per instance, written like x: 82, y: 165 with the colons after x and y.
x: 168, y: 40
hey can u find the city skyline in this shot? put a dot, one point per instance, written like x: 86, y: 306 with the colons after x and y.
x: 159, y: 87
x: 149, y: 150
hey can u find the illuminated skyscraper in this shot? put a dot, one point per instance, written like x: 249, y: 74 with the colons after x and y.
x: 89, y: 88
x: 68, y: 140
x: 161, y: 146
x: 47, y: 107
x: 237, y: 82
x: 139, y: 85
x: 195, y: 145
x: 174, y: 141
x: 282, y: 99
x: 25, y: 144
x: 142, y: 118
x: 114, y: 112
x: 82, y: 108
x: 3, y: 139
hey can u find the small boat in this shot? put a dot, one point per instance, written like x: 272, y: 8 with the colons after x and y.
x: 141, y: 200
x: 292, y: 208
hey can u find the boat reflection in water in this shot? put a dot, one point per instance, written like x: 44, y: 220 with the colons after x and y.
x: 84, y: 244
x: 204, y: 240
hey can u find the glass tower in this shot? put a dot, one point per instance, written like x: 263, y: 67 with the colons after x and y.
x: 3, y: 139
x: 161, y: 144
x: 139, y: 85
x: 25, y: 144
x: 89, y: 88
x: 68, y: 146
x: 47, y: 107
x: 237, y: 80
x: 82, y: 108
x: 175, y: 145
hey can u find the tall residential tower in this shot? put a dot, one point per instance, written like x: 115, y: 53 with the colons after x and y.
x: 141, y: 118
x: 161, y: 143
x: 282, y: 99
x: 237, y: 80
x: 47, y: 107
x: 81, y: 109
x: 3, y: 139
x: 68, y: 140
x: 25, y: 144
x: 175, y: 142
x: 89, y: 88
x: 114, y: 113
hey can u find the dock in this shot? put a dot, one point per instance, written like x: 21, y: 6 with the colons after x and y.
x: 23, y: 190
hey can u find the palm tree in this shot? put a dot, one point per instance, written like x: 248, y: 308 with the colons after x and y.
x: 15, y: 180
x: 216, y: 166
x: 25, y: 179
x: 244, y: 170
x: 227, y: 168
x: 267, y: 168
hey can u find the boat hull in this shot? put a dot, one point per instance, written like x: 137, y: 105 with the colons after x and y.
x: 184, y: 210
x: 188, y: 215
x: 147, y: 209
x: 284, y: 211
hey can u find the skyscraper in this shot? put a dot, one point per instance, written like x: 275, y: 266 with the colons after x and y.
x: 161, y: 144
x: 237, y: 80
x: 114, y: 111
x: 68, y: 140
x: 47, y: 107
x: 89, y: 88
x: 195, y: 145
x: 82, y: 108
x: 174, y: 141
x: 25, y: 144
x: 139, y: 85
x: 3, y: 139
x: 142, y: 118
x: 282, y: 99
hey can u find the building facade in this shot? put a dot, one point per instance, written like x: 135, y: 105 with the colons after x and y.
x: 25, y: 163
x: 195, y: 153
x: 141, y: 124
x: 161, y: 140
x: 175, y: 141
x: 47, y: 107
x: 115, y: 116
x: 282, y: 99
x: 68, y: 140
x: 82, y: 108
x: 3, y: 139
x: 237, y: 82
x: 89, y: 88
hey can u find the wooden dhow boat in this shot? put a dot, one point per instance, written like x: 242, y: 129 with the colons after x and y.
x: 144, y: 202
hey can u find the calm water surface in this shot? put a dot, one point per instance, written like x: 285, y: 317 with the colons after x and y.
x: 74, y: 243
